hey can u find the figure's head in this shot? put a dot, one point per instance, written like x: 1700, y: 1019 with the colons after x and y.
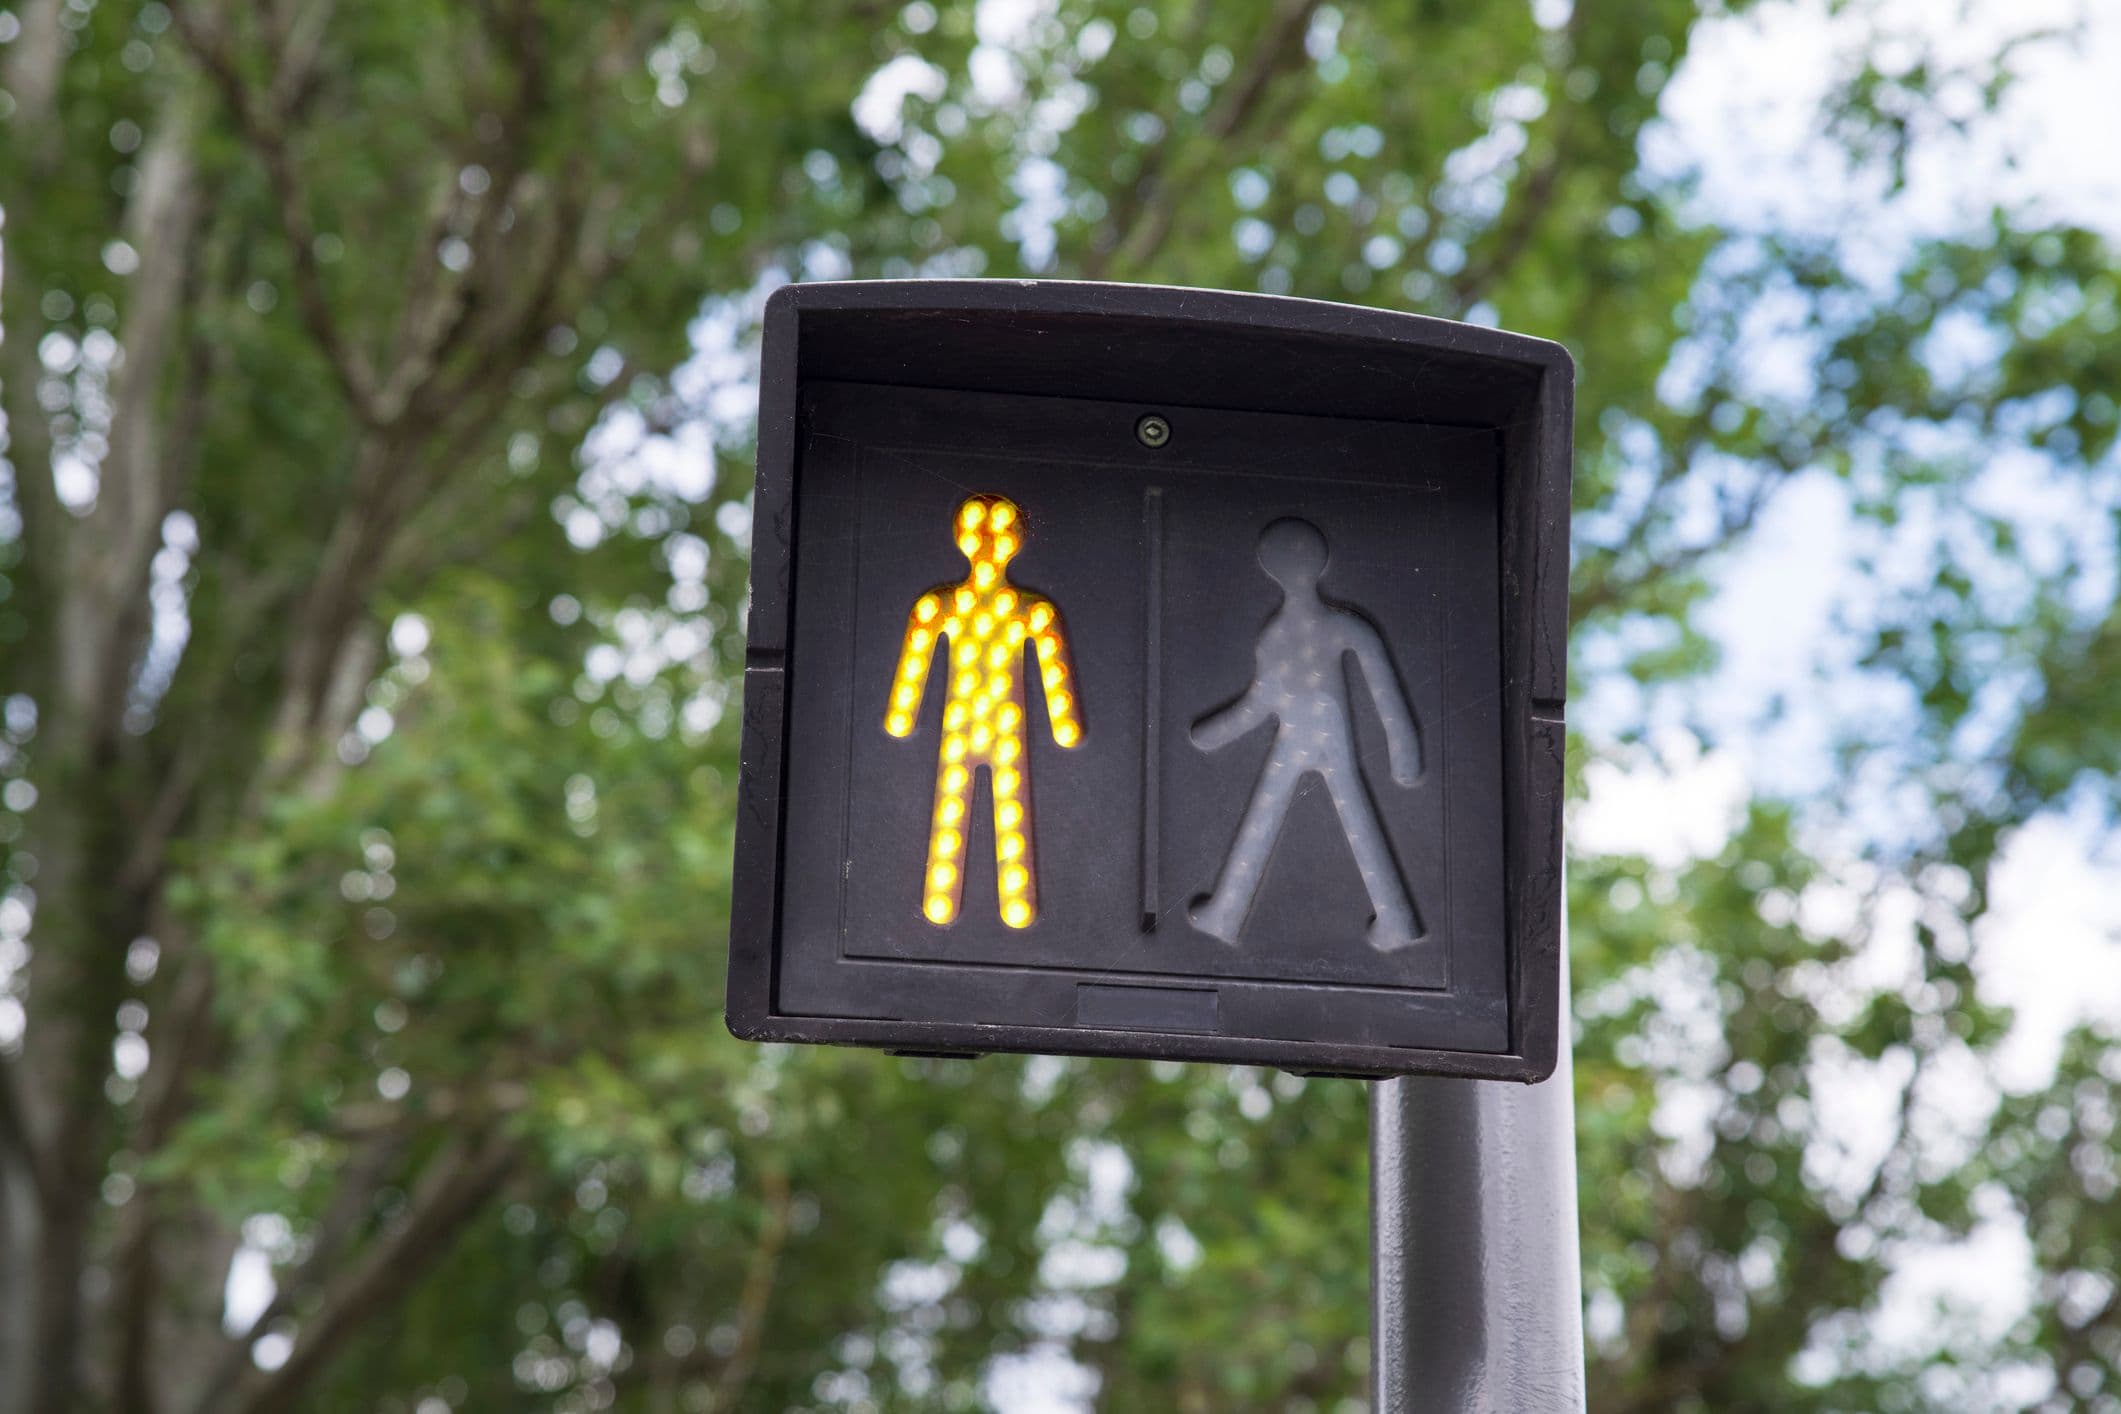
x: 1293, y: 553
x: 990, y: 530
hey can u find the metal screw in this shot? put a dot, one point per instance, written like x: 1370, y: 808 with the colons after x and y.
x: 1153, y: 431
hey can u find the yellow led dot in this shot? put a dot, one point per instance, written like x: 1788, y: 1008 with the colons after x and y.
x: 953, y: 748
x: 1041, y: 616
x: 1009, y: 815
x: 981, y: 736
x: 1067, y: 734
x: 1004, y: 515
x: 906, y: 696
x: 969, y: 544
x: 1058, y: 703
x: 1005, y: 601
x: 953, y: 626
x: 951, y: 810
x: 947, y: 843
x: 953, y: 779
x: 971, y: 514
x: 926, y: 608
x: 967, y: 653
x: 898, y: 724
x: 1048, y: 645
x: 942, y: 876
x: 1009, y: 844
x: 983, y: 625
x: 910, y: 669
x: 1006, y: 782
x: 966, y: 681
x: 1016, y: 913
x: 954, y: 715
x: 1009, y: 716
x: 1004, y: 546
x: 983, y: 573
x: 1007, y: 749
x: 997, y: 655
x: 1053, y: 677
x: 1015, y: 635
x: 919, y: 639
x: 938, y: 909
x: 964, y: 599
x: 1014, y: 879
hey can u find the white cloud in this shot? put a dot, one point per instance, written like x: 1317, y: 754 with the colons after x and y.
x: 2050, y: 945
x: 1745, y: 111
x: 1675, y: 806
x: 877, y: 108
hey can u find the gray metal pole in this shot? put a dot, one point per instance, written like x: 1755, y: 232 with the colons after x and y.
x: 1476, y: 1291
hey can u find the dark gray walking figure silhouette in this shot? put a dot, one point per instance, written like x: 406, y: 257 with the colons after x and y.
x: 1300, y: 682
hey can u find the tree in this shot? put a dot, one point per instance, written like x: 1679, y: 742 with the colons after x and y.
x: 370, y: 592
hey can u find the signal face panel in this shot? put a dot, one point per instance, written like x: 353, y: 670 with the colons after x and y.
x: 1143, y: 728
x: 1153, y: 561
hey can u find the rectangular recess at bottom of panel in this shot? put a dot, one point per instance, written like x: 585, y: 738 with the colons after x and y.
x: 1106, y: 1008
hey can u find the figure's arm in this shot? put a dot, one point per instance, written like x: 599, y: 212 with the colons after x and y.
x: 1056, y: 671
x: 1226, y: 724
x: 924, y: 626
x: 1402, y: 734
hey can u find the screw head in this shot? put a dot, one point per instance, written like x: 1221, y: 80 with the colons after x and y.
x: 1153, y: 431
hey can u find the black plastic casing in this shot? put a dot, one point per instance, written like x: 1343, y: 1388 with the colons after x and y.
x: 1434, y: 460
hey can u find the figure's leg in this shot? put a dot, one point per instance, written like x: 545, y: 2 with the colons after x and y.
x: 1221, y: 914
x: 943, y: 885
x: 1015, y: 876
x: 1395, y: 922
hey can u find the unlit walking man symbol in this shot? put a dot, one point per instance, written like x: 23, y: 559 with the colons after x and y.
x: 983, y: 624
x: 1300, y: 683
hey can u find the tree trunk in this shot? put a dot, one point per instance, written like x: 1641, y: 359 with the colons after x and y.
x: 85, y: 924
x: 100, y: 846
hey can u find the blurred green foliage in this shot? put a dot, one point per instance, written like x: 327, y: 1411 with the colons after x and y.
x: 371, y: 587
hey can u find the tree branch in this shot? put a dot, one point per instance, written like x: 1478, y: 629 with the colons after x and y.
x: 1532, y: 200
x: 30, y: 73
x: 104, y: 613
x: 35, y: 62
x: 1477, y: 279
x: 434, y: 302
x: 759, y: 1277
x: 265, y: 128
x: 296, y: 43
x: 731, y: 1372
x: 320, y: 657
x: 45, y: 523
x: 1611, y: 589
x: 182, y: 1031
x: 456, y: 1184
x: 438, y: 311
x: 18, y: 1139
x: 96, y: 618
x: 1138, y: 230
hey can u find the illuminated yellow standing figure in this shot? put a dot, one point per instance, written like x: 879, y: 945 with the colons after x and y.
x: 981, y: 626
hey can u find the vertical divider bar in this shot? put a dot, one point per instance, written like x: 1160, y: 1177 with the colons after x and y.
x: 1152, y: 700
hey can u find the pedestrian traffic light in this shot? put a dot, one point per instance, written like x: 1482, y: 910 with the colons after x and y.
x: 1154, y: 672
